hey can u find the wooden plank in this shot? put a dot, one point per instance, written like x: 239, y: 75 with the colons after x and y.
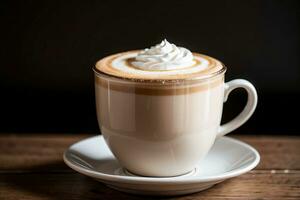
x: 31, y: 167
x: 35, y: 152
x: 258, y: 184
x: 44, y: 152
x: 277, y: 152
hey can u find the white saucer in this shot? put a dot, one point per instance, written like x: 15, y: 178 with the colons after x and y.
x: 227, y: 158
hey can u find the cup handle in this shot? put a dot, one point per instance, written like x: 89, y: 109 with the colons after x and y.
x: 248, y: 110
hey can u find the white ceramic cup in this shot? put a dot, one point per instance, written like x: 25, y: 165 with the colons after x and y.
x: 164, y: 129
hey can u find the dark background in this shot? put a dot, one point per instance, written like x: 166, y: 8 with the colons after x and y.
x: 49, y: 47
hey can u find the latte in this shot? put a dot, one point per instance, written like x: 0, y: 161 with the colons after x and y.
x: 160, y: 109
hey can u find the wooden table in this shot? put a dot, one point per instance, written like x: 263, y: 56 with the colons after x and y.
x: 31, y: 167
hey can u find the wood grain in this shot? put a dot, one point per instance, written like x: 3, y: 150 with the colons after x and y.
x: 31, y: 168
x: 277, y: 152
x: 259, y: 184
x: 26, y: 151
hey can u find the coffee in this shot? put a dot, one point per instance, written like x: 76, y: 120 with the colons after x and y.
x: 156, y: 67
x: 160, y: 109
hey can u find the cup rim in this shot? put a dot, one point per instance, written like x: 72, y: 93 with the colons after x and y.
x: 161, y: 81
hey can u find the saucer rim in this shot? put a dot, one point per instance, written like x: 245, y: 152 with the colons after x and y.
x: 165, y: 180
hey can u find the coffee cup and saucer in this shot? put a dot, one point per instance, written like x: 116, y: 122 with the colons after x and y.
x: 159, y: 112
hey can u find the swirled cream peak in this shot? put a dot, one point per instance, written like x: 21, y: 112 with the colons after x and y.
x: 164, y: 56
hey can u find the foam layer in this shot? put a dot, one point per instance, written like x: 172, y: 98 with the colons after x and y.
x: 120, y: 65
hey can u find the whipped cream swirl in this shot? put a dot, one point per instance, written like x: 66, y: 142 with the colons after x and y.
x: 164, y: 56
